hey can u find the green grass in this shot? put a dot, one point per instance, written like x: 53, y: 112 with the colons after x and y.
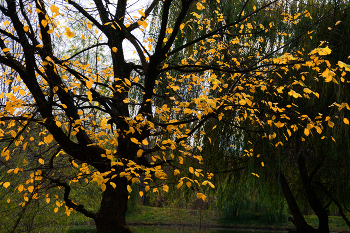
x: 154, y: 215
x: 184, y: 217
x: 336, y: 223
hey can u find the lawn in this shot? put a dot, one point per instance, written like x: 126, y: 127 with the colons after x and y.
x: 145, y: 215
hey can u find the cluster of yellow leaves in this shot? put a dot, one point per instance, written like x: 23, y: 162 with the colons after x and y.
x: 201, y: 105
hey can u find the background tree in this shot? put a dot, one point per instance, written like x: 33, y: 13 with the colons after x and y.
x: 314, y: 157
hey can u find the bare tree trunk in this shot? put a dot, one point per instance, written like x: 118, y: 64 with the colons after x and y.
x: 111, y: 215
x: 299, y: 220
x: 312, y: 198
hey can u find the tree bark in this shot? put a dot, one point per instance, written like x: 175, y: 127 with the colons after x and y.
x: 314, y: 201
x: 111, y: 215
x: 299, y: 220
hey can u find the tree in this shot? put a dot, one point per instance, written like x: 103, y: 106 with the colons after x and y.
x: 305, y: 165
x: 128, y: 121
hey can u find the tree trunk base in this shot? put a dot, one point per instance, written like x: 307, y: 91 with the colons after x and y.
x: 104, y: 227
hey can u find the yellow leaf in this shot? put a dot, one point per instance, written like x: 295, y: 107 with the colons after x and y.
x: 200, y: 6
x: 54, y: 9
x: 191, y: 169
x: 262, y: 164
x: 145, y: 142
x: 6, y: 50
x: 330, y: 124
x: 134, y: 140
x: 142, y: 13
x: 6, y: 23
x: 41, y: 161
x: 179, y: 184
x: 346, y: 121
x: 306, y: 132
x: 146, y: 188
x: 44, y: 23
x: 89, y: 95
x: 139, y: 153
x: 201, y: 196
x: 279, y: 124
x: 136, y: 79
x: 127, y: 81
x: 176, y: 172
x: 75, y: 164
x: 48, y: 139
x: 58, y: 123
x: 328, y: 75
x: 294, y: 94
x: 113, y: 184
x: 22, y: 92
x: 25, y: 28
x: 129, y: 188
x: 88, y: 85
x: 47, y: 200
x: 20, y: 188
x: 344, y: 65
x: 114, y: 49
x: 166, y: 188
x: 8, y: 200
x: 319, y: 130
x: 56, y: 209
x: 321, y: 51
x: 182, y: 26
x: 141, y: 193
x: 68, y: 33
x: 142, y: 23
x: 6, y: 184
x: 211, y: 185
x: 103, y: 187
x: 31, y: 189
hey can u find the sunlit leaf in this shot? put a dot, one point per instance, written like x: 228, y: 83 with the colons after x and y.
x: 201, y: 196
x: 48, y: 139
x: 41, y: 161
x: 54, y: 9
x: 6, y: 184
x: 330, y: 124
x: 68, y: 33
x: 142, y: 13
x: 30, y: 189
